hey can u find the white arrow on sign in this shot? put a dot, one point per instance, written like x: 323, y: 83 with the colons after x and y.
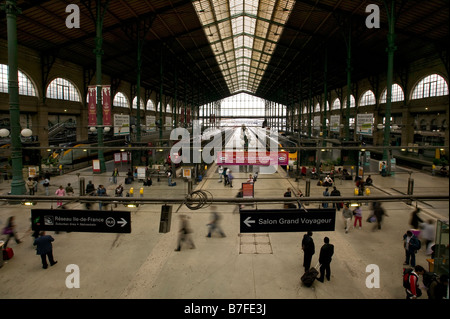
x: 122, y: 221
x: 247, y: 221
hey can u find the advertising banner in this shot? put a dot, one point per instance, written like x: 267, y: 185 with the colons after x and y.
x: 106, y: 92
x: 92, y: 105
x: 121, y: 124
x: 364, y: 124
x: 335, y: 122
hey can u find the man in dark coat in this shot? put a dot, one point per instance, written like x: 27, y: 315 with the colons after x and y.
x: 308, y: 250
x: 326, y: 252
x: 45, y: 248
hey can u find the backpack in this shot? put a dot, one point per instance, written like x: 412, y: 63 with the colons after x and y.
x: 406, y: 273
x: 415, y: 243
x: 429, y: 277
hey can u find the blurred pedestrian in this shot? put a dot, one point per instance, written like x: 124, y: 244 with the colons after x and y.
x: 115, y: 174
x: 213, y: 225
x: 184, y: 234
x: 101, y: 191
x: 428, y: 233
x: 46, y: 184
x: 30, y: 185
x: 10, y: 231
x: 336, y: 192
x: 45, y: 249
x: 411, y: 245
x: 415, y: 219
x: 220, y: 171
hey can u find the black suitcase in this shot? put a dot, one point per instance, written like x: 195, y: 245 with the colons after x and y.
x: 309, y: 277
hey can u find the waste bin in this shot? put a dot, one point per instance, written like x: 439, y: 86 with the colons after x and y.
x: 166, y: 218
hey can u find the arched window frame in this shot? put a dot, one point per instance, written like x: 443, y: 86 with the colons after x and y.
x: 150, y: 105
x: 430, y: 86
x: 120, y: 100
x: 368, y: 98
x: 142, y: 105
x: 397, y: 94
x: 26, y: 85
x: 63, y: 89
x: 336, y: 104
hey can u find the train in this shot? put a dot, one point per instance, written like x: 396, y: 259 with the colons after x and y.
x: 85, y: 151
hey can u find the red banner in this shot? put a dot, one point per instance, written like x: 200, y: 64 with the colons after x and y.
x: 92, y: 106
x: 106, y: 92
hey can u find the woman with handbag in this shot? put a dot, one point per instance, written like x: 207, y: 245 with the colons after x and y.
x: 10, y: 231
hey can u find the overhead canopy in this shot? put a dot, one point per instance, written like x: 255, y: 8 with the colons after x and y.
x: 206, y: 50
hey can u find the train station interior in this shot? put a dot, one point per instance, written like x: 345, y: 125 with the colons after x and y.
x: 295, y: 98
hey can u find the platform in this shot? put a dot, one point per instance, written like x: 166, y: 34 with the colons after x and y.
x: 144, y: 265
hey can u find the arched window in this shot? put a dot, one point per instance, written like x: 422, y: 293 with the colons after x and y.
x: 62, y: 89
x: 443, y: 125
x: 141, y: 103
x: 432, y: 85
x: 397, y: 94
x: 352, y: 102
x: 26, y: 87
x: 336, y: 105
x: 168, y: 109
x: 120, y: 100
x: 434, y: 125
x: 368, y: 98
x: 150, y: 105
x: 317, y: 108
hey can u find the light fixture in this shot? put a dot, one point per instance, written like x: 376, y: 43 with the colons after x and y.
x: 380, y: 126
x: 4, y: 132
x: 26, y: 132
x: 92, y: 129
x: 107, y: 129
x: 354, y: 205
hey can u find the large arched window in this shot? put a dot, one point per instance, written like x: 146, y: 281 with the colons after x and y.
x: 368, y: 98
x: 62, y: 89
x: 352, y: 102
x: 150, y: 105
x: 26, y: 87
x: 432, y: 85
x: 397, y: 94
x: 120, y: 100
x: 168, y: 109
x: 317, y: 108
x: 336, y: 105
x: 142, y: 105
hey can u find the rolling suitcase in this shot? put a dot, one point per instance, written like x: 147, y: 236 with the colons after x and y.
x: 8, y: 253
x: 309, y: 277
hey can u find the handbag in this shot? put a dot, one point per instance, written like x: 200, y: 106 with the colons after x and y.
x: 7, y: 231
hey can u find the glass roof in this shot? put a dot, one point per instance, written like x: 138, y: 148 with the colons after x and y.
x: 243, y: 35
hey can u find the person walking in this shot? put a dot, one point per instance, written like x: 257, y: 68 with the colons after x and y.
x: 411, y: 245
x: 44, y: 248
x: 69, y: 190
x: 347, y: 214
x: 10, y: 231
x: 336, y: 192
x: 60, y: 192
x: 326, y: 194
x: 230, y: 178
x: 184, y: 233
x: 308, y: 250
x: 326, y: 252
x: 428, y: 233
x: 30, y: 186
x: 225, y: 176
x: 46, y: 184
x: 115, y: 174
x: 90, y: 188
x: 101, y: 191
x: 415, y: 219
x: 220, y: 171
x: 213, y: 225
x: 379, y: 213
x: 357, y: 212
x: 438, y: 288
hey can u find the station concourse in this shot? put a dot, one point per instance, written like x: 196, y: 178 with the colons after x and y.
x: 93, y: 86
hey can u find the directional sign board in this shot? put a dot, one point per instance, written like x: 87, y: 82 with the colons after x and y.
x: 81, y: 220
x: 269, y: 221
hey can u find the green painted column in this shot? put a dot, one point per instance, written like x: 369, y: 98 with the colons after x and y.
x: 325, y: 100
x: 98, y: 56
x: 349, y: 86
x: 17, y: 184
x: 389, y: 78
x: 138, y: 90
x: 161, y: 91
